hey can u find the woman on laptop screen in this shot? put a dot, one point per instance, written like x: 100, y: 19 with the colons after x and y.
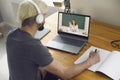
x: 73, y: 26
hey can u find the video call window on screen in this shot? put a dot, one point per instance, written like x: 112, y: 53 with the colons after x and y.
x: 74, y: 24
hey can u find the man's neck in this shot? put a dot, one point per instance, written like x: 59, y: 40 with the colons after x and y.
x: 30, y: 29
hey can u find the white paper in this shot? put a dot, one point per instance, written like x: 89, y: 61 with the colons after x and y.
x: 103, y: 55
x: 109, y: 62
x: 111, y: 67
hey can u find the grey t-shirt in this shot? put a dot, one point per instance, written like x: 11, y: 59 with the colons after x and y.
x: 25, y: 55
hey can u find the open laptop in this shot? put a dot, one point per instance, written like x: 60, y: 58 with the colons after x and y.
x: 71, y: 38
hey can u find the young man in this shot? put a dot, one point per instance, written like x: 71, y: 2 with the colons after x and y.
x: 27, y: 56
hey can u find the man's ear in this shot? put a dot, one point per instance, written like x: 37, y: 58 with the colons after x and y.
x: 28, y: 22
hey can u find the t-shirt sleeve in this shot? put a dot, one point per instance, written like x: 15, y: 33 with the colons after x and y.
x: 40, y: 55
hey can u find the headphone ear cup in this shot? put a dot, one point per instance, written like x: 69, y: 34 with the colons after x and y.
x: 39, y: 18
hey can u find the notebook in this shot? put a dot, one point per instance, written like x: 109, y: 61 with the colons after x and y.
x: 109, y: 63
x: 41, y: 34
x: 73, y: 32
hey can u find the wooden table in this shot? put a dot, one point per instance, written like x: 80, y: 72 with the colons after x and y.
x: 101, y: 34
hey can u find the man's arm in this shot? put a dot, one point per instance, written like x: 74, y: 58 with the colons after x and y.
x: 68, y: 72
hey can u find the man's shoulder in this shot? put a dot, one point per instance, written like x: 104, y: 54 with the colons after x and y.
x: 11, y: 32
x: 19, y: 36
x: 33, y: 42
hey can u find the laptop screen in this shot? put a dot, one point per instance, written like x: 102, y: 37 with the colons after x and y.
x: 73, y: 23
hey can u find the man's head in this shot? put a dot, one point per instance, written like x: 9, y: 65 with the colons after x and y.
x: 32, y: 12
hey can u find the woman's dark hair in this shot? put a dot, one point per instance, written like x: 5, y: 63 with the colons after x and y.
x: 29, y: 21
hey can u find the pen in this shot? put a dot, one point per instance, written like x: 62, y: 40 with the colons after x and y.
x: 95, y: 50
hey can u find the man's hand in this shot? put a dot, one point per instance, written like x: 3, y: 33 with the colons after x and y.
x: 94, y: 57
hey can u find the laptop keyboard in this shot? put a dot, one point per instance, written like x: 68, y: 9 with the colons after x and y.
x: 70, y: 41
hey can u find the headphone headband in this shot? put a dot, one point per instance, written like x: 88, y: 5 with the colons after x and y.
x: 39, y: 18
x: 35, y: 5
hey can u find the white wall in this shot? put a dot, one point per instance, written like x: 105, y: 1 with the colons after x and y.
x: 7, y: 12
x: 103, y: 10
x: 0, y: 17
x: 8, y: 9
